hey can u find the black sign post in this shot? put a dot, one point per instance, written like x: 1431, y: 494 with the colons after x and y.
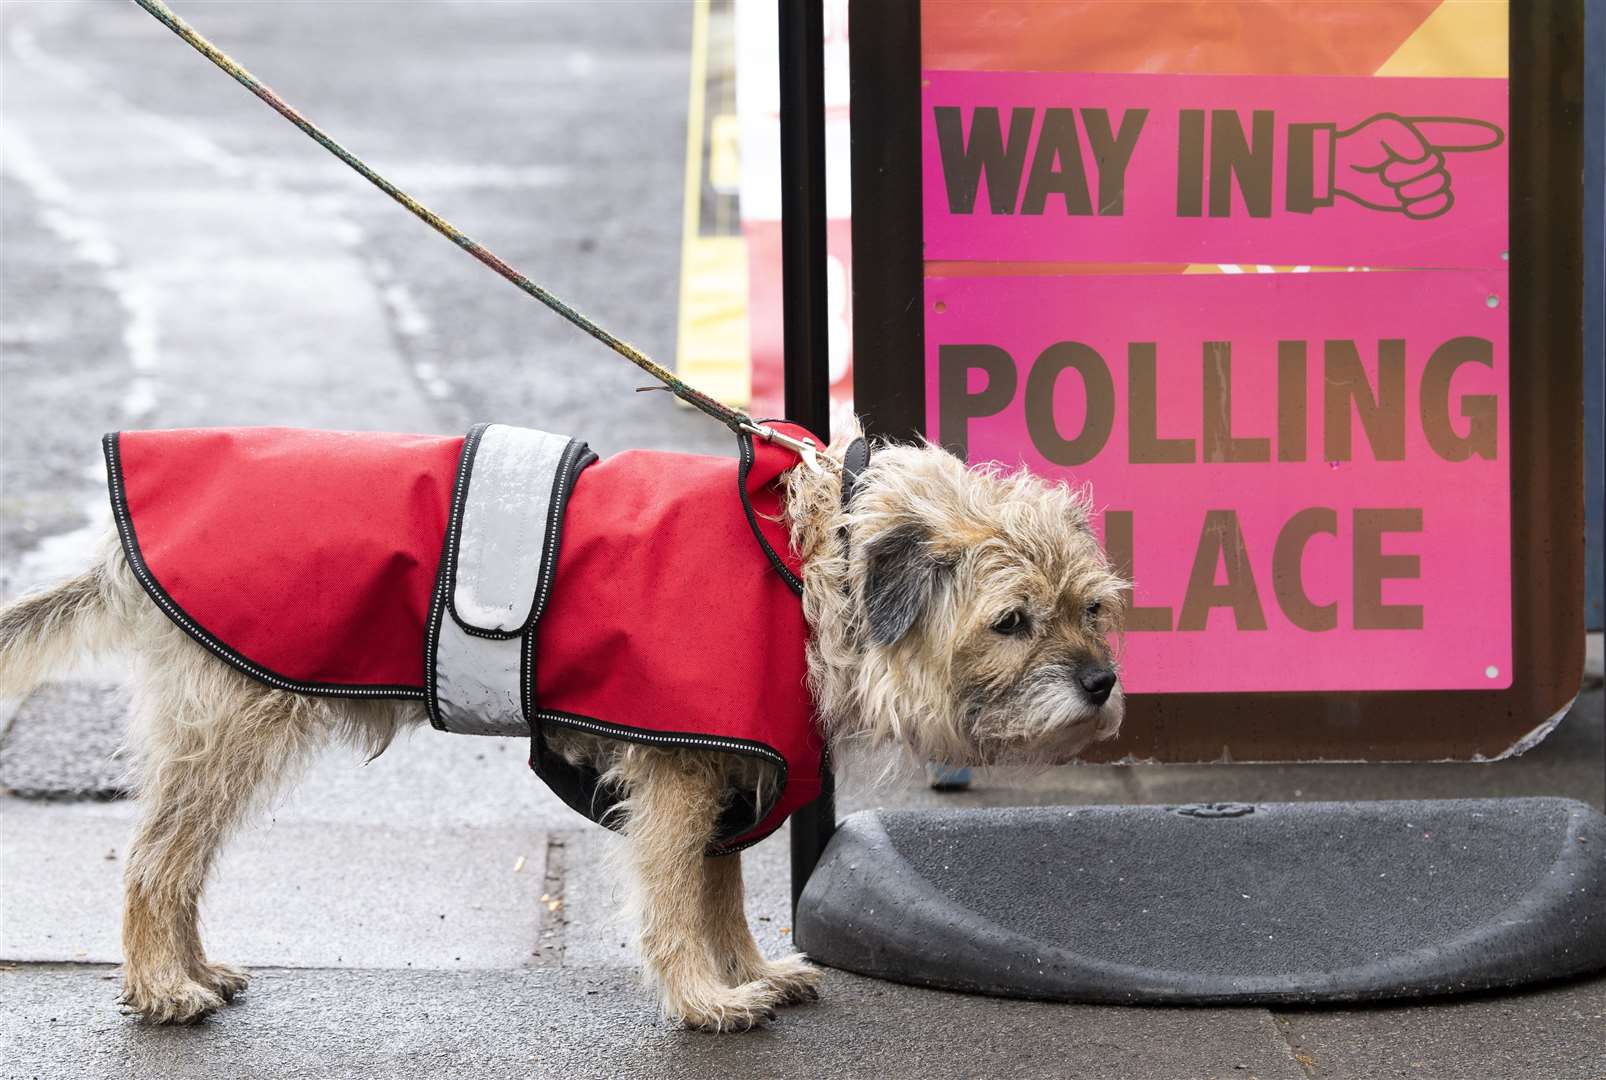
x: 802, y: 42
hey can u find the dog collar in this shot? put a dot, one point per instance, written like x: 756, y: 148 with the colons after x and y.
x: 854, y: 461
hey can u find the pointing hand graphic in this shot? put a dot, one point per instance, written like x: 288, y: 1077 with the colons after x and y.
x: 1398, y: 163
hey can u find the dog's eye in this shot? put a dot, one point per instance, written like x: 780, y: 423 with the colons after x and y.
x: 1094, y: 609
x: 1016, y: 622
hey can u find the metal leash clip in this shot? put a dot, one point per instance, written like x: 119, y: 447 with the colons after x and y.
x: 803, y: 448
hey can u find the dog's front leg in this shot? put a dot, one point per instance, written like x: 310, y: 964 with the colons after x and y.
x: 672, y: 812
x: 790, y: 977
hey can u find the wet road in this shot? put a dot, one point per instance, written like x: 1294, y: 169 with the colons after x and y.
x: 176, y: 254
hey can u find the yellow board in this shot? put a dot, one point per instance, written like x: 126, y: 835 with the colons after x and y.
x: 1465, y: 38
x: 711, y: 349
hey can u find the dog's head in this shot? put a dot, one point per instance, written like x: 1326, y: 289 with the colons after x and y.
x: 983, y: 610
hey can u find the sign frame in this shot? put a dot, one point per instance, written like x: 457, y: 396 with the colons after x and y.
x: 1545, y: 413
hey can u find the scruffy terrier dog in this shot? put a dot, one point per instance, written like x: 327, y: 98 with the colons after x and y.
x: 958, y: 614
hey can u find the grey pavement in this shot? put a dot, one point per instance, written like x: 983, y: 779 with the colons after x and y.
x: 175, y: 254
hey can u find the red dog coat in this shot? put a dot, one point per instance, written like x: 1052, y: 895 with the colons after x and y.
x: 507, y: 578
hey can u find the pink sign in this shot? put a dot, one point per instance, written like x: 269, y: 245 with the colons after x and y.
x: 1307, y: 473
x: 1283, y: 170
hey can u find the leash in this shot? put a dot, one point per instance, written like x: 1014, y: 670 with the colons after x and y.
x: 734, y: 419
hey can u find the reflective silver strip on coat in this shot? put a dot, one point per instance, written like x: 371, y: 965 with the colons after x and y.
x: 501, y: 555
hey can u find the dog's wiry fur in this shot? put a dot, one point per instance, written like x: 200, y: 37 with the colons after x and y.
x: 939, y: 552
x: 951, y: 611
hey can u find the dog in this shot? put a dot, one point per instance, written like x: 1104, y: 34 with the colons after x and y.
x: 956, y: 614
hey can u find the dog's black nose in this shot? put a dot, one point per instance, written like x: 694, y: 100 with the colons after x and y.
x: 1098, y: 681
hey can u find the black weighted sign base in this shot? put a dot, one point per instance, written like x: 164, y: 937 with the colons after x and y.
x: 1282, y: 902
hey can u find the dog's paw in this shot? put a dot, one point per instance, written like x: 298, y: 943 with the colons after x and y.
x: 726, y: 1009
x: 181, y: 1001
x: 224, y: 980
x: 792, y: 979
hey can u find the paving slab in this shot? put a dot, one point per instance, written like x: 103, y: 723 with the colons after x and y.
x: 60, y: 745
x: 1557, y: 1033
x: 429, y: 778
x: 574, y: 1023
x: 286, y: 892
x: 62, y: 740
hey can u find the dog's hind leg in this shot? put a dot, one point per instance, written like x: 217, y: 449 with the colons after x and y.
x: 672, y: 809
x: 791, y: 977
x: 211, y: 744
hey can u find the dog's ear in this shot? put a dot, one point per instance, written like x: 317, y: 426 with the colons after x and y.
x: 901, y: 580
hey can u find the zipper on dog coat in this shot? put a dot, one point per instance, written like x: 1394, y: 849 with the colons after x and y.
x: 508, y: 578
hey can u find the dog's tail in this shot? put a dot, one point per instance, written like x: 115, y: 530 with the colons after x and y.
x: 50, y: 630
